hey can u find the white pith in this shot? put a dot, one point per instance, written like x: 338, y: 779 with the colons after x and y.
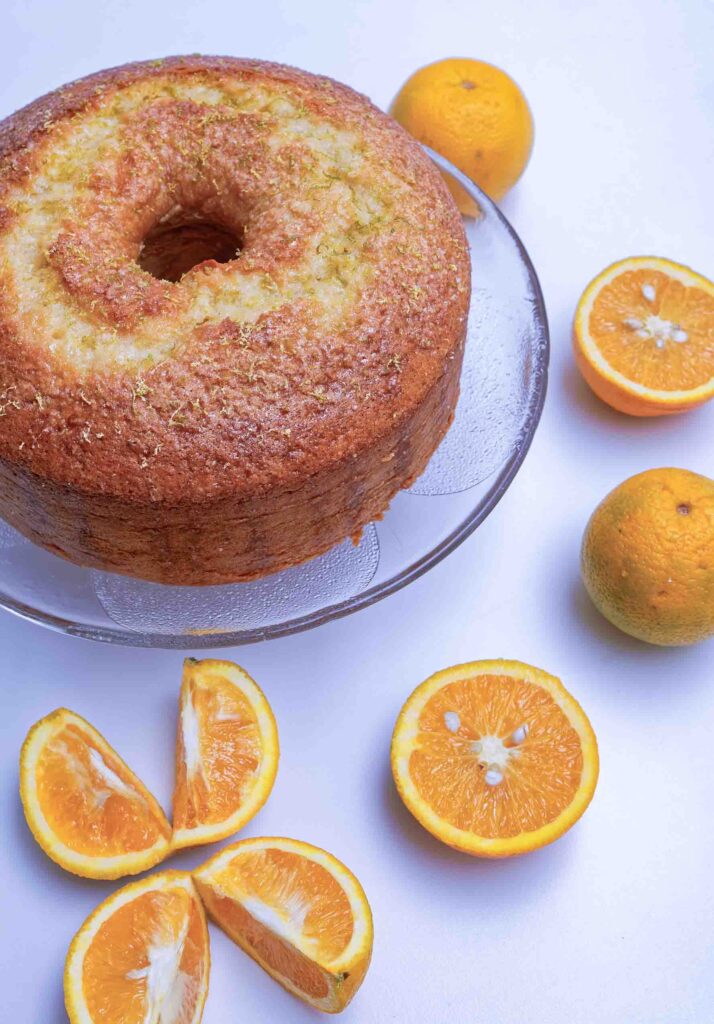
x: 288, y: 922
x: 166, y: 984
x: 657, y: 329
x: 494, y: 755
x: 111, y: 779
x: 191, y: 736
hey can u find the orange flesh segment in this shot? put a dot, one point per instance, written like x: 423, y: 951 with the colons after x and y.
x: 279, y: 955
x: 229, y: 740
x: 156, y: 939
x: 675, y: 365
x: 307, y: 905
x: 539, y: 779
x: 90, y: 801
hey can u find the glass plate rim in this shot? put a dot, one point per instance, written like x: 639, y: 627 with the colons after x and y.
x: 370, y: 596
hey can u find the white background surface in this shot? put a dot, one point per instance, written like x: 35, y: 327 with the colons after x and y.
x: 615, y: 922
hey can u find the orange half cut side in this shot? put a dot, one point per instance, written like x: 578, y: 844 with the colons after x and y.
x: 494, y: 758
x: 643, y: 336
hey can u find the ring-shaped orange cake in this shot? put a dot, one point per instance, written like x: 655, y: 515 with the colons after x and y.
x: 233, y: 302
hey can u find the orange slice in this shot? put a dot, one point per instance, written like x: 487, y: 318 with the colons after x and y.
x: 494, y: 757
x: 85, y: 807
x: 226, y: 752
x: 297, y: 911
x: 142, y: 957
x: 644, y: 336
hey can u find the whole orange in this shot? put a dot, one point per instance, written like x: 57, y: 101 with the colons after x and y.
x: 647, y: 557
x: 473, y: 114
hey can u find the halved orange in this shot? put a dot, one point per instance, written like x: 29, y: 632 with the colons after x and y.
x: 494, y: 758
x: 142, y: 957
x: 226, y: 752
x: 86, y: 808
x: 644, y: 336
x: 297, y: 911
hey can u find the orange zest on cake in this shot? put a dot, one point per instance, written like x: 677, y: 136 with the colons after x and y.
x: 233, y: 302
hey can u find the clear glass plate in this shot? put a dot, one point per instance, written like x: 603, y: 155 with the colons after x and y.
x: 502, y: 392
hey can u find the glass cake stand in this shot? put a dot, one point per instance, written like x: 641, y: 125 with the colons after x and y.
x: 502, y: 392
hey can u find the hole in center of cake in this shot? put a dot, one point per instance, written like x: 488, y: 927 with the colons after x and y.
x: 184, y: 240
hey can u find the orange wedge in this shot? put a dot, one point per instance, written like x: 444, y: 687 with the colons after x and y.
x: 85, y: 807
x: 226, y: 752
x: 297, y: 911
x: 644, y: 336
x: 142, y: 957
x: 494, y: 758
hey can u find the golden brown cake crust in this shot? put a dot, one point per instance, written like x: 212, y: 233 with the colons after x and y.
x: 255, y: 412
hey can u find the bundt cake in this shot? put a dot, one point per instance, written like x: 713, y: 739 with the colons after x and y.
x: 233, y: 302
